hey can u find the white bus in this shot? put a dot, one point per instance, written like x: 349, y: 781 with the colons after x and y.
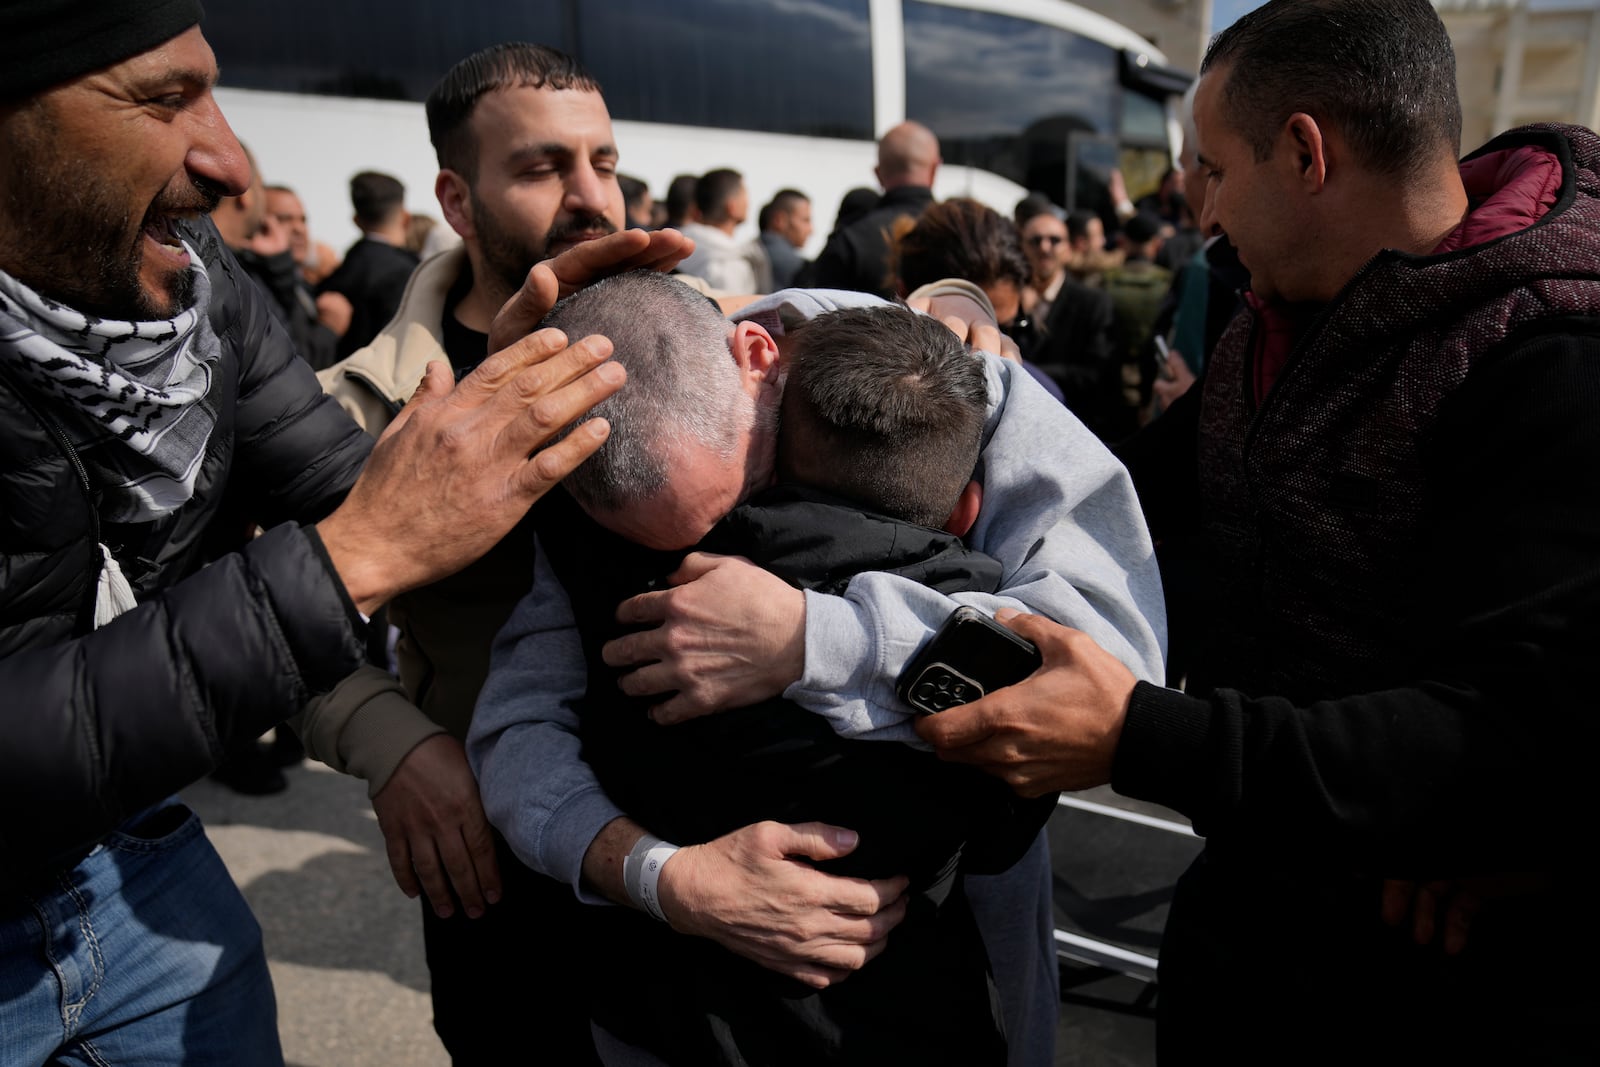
x: 1023, y: 94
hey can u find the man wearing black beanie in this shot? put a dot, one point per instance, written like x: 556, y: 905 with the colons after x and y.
x: 151, y: 413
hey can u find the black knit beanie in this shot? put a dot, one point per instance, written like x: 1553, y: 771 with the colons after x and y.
x: 46, y: 42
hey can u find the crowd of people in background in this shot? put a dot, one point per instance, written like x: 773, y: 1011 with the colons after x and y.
x: 1083, y: 295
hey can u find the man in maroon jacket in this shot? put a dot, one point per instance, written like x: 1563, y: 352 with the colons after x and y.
x: 1389, y: 480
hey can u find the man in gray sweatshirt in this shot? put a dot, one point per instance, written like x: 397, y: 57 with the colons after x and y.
x: 1058, y: 512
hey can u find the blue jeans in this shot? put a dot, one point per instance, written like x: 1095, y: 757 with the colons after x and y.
x: 145, y: 952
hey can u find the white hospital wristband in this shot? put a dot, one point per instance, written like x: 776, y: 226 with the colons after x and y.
x: 641, y: 873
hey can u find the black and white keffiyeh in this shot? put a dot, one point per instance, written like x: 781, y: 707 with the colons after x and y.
x: 132, y: 396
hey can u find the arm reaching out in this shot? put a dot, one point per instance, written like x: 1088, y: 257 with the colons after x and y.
x: 1056, y: 730
x: 458, y: 467
x: 588, y: 262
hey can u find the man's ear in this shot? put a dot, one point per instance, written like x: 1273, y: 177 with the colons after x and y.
x: 965, y: 512
x: 756, y: 353
x: 455, y: 201
x: 1303, y: 141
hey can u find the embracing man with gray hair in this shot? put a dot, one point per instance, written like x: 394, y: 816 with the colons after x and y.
x: 1066, y: 535
x: 883, y: 413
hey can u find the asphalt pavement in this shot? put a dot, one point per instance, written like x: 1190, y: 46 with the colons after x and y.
x: 345, y: 946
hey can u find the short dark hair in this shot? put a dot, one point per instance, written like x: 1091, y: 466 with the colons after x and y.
x: 1382, y: 72
x: 960, y: 238
x: 885, y: 408
x: 376, y: 197
x: 1032, y: 206
x: 1142, y: 228
x: 633, y: 190
x: 680, y: 198
x: 503, y: 66
x: 1078, y: 223
x: 711, y: 193
x: 782, y: 200
x: 682, y: 382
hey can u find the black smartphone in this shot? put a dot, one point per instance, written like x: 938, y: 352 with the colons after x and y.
x: 970, y: 656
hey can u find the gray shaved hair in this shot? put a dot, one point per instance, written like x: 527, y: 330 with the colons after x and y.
x: 683, y: 385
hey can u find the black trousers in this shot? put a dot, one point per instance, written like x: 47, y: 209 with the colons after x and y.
x: 513, y: 986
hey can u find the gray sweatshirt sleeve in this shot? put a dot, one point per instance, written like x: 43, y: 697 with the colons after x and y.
x: 524, y: 743
x: 1060, y: 514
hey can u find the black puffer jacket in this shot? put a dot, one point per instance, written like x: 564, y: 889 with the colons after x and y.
x: 100, y: 724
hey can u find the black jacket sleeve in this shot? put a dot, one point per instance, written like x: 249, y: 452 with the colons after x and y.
x: 101, y: 726
x: 1479, y: 764
x: 141, y: 707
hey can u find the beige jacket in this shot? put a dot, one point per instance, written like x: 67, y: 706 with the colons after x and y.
x: 370, y: 722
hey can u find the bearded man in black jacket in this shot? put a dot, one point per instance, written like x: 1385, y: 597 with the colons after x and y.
x: 152, y: 411
x: 1388, y: 477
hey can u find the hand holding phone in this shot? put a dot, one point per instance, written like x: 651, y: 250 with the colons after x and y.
x: 969, y: 657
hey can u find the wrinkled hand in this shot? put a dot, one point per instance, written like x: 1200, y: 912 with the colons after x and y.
x: 1173, y: 381
x: 728, y: 634
x: 579, y: 266
x: 435, y: 831
x: 1444, y: 910
x: 753, y: 893
x: 457, y: 468
x: 1058, y: 729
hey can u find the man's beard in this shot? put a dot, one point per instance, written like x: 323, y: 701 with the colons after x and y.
x: 75, y: 242
x: 508, y: 256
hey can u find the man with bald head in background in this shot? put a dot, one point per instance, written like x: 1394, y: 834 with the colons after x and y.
x: 857, y: 256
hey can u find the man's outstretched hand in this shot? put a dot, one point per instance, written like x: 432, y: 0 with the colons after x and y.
x: 458, y: 467
x: 1057, y: 729
x: 579, y: 266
